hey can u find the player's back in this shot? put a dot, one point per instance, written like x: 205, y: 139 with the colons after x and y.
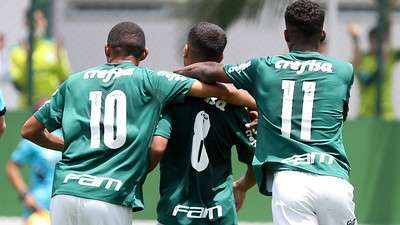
x: 108, y: 114
x: 306, y: 96
x: 302, y: 98
x: 196, y: 171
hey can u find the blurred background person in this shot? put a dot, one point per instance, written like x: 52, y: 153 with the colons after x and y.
x: 42, y: 162
x: 5, y: 82
x: 366, y: 69
x: 50, y: 63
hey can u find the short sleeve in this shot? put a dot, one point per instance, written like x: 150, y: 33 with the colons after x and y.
x: 51, y: 113
x: 245, y: 139
x: 164, y: 127
x: 2, y: 105
x: 168, y: 86
x: 24, y: 152
x: 242, y: 75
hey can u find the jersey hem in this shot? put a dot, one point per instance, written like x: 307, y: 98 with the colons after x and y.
x: 135, y: 208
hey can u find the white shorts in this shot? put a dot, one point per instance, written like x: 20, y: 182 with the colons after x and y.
x: 309, y: 199
x: 71, y: 210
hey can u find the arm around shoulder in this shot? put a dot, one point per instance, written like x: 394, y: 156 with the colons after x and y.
x: 207, y: 72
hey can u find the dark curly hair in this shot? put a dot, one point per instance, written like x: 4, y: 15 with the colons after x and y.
x: 207, y: 40
x: 127, y: 38
x: 305, y: 16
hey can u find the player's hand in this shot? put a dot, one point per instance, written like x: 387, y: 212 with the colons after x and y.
x: 355, y: 30
x: 254, y: 121
x: 31, y: 203
x: 240, y: 195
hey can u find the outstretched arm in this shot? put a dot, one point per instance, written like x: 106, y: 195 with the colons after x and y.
x: 34, y: 131
x: 226, y: 92
x: 241, y: 186
x: 207, y: 72
x: 355, y: 32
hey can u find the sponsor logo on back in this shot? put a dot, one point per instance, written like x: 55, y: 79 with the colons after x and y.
x: 107, y: 75
x: 302, y: 66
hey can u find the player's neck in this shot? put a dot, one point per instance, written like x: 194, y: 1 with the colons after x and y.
x: 122, y: 59
x: 303, y: 48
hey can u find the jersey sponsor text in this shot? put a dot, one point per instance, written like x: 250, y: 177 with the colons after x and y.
x: 107, y: 75
x: 198, y: 212
x: 89, y: 180
x: 301, y: 66
x: 310, y: 158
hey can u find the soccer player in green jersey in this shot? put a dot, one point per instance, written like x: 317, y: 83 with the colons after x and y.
x: 302, y: 100
x: 195, y: 140
x: 108, y: 115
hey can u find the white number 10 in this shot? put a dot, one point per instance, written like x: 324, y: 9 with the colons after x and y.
x: 287, y: 105
x: 114, y: 112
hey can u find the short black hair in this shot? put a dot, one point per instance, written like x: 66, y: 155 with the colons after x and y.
x: 127, y: 38
x: 305, y: 16
x: 207, y: 41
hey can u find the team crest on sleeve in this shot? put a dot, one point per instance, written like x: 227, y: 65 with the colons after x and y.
x: 239, y: 67
x: 171, y: 76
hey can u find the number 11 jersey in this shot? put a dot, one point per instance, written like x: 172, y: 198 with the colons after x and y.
x: 302, y: 99
x: 108, y: 115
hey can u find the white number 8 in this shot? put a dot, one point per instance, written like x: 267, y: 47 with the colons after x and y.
x: 199, y: 158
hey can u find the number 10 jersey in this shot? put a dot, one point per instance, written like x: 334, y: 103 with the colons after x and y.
x: 302, y: 99
x: 108, y: 115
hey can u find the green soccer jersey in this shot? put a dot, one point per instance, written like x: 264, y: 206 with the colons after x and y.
x: 108, y: 115
x: 196, y: 171
x: 302, y: 99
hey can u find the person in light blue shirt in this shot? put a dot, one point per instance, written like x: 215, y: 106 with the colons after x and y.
x: 42, y: 163
x: 2, y: 113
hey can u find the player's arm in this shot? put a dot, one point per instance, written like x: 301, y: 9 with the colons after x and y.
x: 226, y: 92
x: 241, y: 186
x: 47, y: 118
x: 35, y: 131
x: 157, y: 149
x: 355, y: 32
x: 207, y: 72
x: 160, y: 139
x: 2, y: 125
x: 14, y: 175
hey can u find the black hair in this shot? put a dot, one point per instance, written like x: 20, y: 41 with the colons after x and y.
x: 207, y: 41
x: 305, y: 16
x: 127, y: 38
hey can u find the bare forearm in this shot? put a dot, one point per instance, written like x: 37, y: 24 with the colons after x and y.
x: 15, y: 177
x: 34, y: 131
x: 47, y: 140
x: 2, y: 125
x: 157, y: 149
x: 248, y: 180
x: 356, y: 52
x: 241, y: 98
x: 207, y: 72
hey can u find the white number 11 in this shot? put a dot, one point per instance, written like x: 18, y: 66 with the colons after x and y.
x: 287, y: 105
